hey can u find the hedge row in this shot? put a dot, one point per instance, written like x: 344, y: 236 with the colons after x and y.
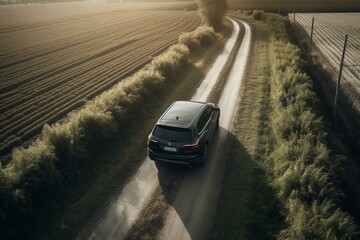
x: 66, y: 149
x: 298, y: 161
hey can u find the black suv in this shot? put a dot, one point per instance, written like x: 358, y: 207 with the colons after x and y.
x: 183, y: 133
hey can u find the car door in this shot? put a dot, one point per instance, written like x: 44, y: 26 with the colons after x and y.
x: 212, y: 121
x: 205, y: 125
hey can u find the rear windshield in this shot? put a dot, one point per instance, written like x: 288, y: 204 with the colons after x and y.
x: 172, y: 134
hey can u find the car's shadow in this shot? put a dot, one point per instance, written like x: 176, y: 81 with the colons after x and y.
x: 193, y: 192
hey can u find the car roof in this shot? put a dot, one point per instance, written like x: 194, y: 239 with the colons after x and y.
x: 182, y: 114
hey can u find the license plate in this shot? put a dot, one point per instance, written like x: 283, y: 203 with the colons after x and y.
x: 171, y: 149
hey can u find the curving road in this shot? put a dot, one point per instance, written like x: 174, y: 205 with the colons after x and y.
x: 189, y: 196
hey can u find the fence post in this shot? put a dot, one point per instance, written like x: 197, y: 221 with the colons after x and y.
x: 311, y: 38
x: 336, y: 101
x: 294, y: 16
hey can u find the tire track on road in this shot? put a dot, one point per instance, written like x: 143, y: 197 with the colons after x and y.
x: 196, y: 199
x: 138, y: 193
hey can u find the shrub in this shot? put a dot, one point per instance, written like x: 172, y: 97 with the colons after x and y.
x: 33, y: 170
x: 170, y: 62
x: 247, y: 12
x: 5, y: 190
x: 258, y: 15
x: 212, y: 12
x: 98, y: 127
x: 203, y: 36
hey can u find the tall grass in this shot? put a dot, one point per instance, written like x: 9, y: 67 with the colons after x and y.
x: 205, y: 39
x: 299, y: 163
x: 67, y: 149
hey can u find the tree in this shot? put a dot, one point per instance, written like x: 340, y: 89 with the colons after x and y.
x: 213, y: 12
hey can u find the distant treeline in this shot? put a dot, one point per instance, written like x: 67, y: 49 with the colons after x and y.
x: 130, y: 1
x: 109, y: 1
x: 286, y: 6
x: 105, y: 1
x: 34, y: 1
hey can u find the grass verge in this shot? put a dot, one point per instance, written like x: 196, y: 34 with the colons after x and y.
x: 343, y: 137
x: 248, y: 208
x: 295, y: 192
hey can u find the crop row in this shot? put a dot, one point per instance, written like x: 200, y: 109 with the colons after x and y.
x: 329, y: 36
x: 42, y: 82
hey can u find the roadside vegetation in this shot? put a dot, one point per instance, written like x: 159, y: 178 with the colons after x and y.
x: 282, y: 182
x: 341, y: 134
x: 38, y: 179
x: 213, y: 12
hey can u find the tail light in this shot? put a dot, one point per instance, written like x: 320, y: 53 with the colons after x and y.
x: 193, y: 145
x: 150, y: 140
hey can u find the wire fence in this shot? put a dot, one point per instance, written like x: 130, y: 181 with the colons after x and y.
x: 327, y: 33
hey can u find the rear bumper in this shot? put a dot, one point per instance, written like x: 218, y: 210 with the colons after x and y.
x: 174, y: 159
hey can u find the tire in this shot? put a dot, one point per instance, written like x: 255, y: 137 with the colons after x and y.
x: 205, y: 155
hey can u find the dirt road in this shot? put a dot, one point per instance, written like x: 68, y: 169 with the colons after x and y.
x: 193, y: 209
x: 184, y: 200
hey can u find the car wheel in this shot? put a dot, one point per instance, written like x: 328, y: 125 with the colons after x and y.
x: 217, y: 124
x: 205, y: 155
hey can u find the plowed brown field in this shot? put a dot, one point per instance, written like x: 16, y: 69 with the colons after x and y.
x: 329, y: 35
x: 52, y: 65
